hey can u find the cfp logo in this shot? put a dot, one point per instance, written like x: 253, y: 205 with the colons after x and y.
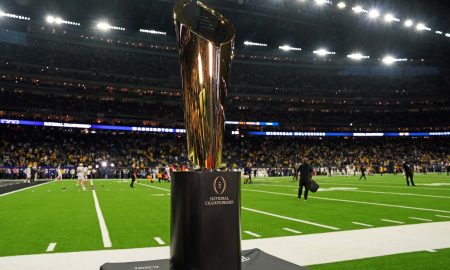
x: 220, y: 185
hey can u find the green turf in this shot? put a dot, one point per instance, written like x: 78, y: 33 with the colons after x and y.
x: 33, y: 218
x: 417, y: 260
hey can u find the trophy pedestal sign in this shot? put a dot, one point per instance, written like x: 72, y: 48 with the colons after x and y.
x: 205, y: 224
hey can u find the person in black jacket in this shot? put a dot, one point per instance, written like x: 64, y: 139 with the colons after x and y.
x: 363, y: 172
x: 133, y: 175
x: 409, y: 173
x: 305, y: 171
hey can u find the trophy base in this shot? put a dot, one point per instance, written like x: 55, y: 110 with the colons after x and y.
x: 205, y: 221
x: 253, y: 259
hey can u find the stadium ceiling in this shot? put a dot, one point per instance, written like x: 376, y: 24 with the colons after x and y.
x: 303, y: 24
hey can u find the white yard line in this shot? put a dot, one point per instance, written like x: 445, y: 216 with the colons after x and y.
x: 420, y: 219
x: 289, y: 218
x: 431, y: 250
x: 22, y: 189
x: 292, y: 231
x: 401, y: 194
x: 159, y: 241
x: 51, y: 247
x: 358, y: 185
x: 274, y: 215
x: 357, y: 202
x: 393, y: 221
x: 252, y: 234
x: 313, y: 248
x: 442, y: 216
x: 165, y: 189
x: 101, y: 220
x: 362, y: 224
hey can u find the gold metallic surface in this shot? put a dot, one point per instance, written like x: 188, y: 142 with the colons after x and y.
x: 205, y: 40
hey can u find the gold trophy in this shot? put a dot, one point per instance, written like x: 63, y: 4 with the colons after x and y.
x: 205, y: 203
x: 206, y: 41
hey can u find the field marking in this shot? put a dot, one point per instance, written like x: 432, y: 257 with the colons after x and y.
x: 442, y: 216
x: 420, y: 219
x: 165, y: 189
x: 22, y: 189
x: 401, y: 194
x: 358, y: 184
x: 289, y: 218
x: 431, y: 250
x: 252, y: 234
x: 51, y: 247
x: 101, y: 220
x: 157, y: 195
x: 362, y: 224
x: 436, y: 184
x: 159, y: 241
x: 324, y: 248
x: 357, y: 202
x: 292, y: 231
x: 393, y: 221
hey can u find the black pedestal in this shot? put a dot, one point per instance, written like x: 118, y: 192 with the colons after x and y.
x: 205, y: 221
x: 253, y: 259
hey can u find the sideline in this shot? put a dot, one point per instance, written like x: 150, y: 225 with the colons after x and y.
x: 302, y: 249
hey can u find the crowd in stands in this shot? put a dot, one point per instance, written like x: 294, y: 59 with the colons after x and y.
x: 168, y: 111
x: 53, y: 147
x: 84, y: 82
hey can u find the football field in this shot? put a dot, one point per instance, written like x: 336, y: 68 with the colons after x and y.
x: 60, y: 217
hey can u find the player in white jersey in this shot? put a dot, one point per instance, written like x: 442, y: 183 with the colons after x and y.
x: 58, y: 174
x: 87, y: 174
x: 28, y: 175
x: 80, y: 175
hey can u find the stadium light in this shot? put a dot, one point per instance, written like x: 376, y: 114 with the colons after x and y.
x: 341, y: 5
x: 104, y: 164
x: 374, y: 13
x: 321, y: 2
x: 447, y: 34
x: 358, y: 56
x: 358, y: 9
x: 50, y: 19
x: 14, y: 16
x: 105, y: 26
x: 323, y: 52
x: 409, y: 23
x: 250, y: 43
x: 422, y: 26
x: 439, y: 32
x: 389, y: 60
x: 153, y: 32
x: 112, y: 165
x: 390, y: 18
x: 289, y: 48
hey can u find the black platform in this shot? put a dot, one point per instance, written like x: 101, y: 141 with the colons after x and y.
x: 205, y: 221
x: 253, y: 259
